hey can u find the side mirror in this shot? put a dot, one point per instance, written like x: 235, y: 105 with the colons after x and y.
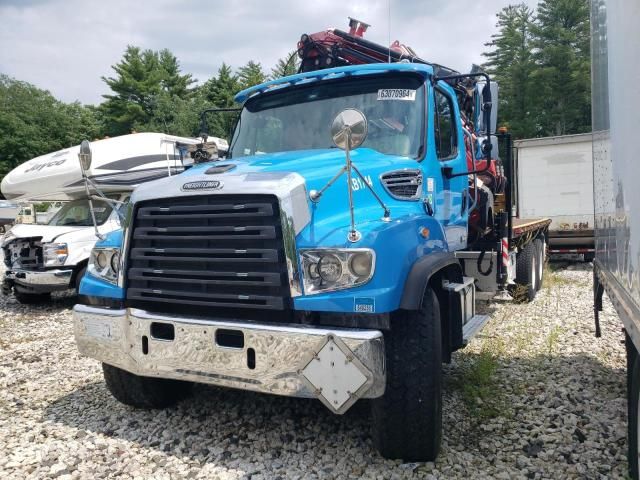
x: 482, y: 95
x: 349, y: 129
x: 85, y: 156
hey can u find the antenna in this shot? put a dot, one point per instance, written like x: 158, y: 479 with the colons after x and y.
x: 389, y: 28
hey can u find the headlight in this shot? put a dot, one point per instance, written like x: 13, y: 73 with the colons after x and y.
x: 104, y: 263
x: 54, y: 254
x: 330, y: 269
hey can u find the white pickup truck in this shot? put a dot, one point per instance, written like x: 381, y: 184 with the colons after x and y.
x: 41, y: 259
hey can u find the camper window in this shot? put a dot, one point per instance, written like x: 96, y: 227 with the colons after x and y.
x: 77, y: 214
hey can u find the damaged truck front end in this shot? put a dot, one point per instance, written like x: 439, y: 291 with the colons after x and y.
x: 33, y: 267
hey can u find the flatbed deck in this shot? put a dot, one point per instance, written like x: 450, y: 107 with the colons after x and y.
x: 521, y: 226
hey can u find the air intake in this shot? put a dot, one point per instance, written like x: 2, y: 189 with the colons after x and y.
x: 403, y: 184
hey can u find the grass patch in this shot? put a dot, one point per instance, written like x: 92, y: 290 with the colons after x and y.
x: 553, y: 279
x: 519, y: 293
x: 552, y: 339
x: 478, y: 386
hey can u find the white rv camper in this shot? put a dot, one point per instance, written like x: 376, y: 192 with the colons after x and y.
x: 41, y: 259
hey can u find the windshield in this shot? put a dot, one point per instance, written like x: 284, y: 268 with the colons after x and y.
x: 77, y: 214
x: 300, y: 119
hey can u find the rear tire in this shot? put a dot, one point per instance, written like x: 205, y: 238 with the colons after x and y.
x: 143, y: 392
x: 32, y: 298
x: 541, y: 250
x: 526, y: 273
x: 407, y: 420
x: 633, y: 398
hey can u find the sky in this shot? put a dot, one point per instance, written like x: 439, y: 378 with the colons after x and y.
x: 66, y: 46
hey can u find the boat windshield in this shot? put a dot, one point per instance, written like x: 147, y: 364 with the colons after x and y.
x: 300, y: 118
x: 77, y: 214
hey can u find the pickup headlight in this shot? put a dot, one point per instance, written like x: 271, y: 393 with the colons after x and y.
x: 54, y: 254
x: 328, y: 269
x: 104, y: 263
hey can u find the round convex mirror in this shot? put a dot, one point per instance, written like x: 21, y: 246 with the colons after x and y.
x: 347, y: 120
x: 85, y: 155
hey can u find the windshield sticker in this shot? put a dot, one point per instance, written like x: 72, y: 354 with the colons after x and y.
x: 397, y: 94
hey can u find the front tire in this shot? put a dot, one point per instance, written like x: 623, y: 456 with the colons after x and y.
x: 407, y: 420
x: 143, y: 392
x: 32, y: 298
x: 78, y: 279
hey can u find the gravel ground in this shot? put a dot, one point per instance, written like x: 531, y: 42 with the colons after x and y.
x: 536, y: 395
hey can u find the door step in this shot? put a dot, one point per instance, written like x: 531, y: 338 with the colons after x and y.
x: 473, y: 326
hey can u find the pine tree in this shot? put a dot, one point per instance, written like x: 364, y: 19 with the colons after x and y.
x: 286, y: 66
x: 143, y: 80
x: 220, y: 90
x: 563, y: 77
x: 511, y: 64
x: 251, y: 74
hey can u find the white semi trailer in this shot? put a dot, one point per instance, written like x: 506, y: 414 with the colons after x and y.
x: 555, y: 180
x: 616, y: 123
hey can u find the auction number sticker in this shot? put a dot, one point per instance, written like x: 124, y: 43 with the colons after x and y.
x: 397, y: 94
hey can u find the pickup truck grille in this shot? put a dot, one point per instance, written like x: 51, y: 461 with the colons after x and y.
x: 25, y: 253
x: 216, y: 255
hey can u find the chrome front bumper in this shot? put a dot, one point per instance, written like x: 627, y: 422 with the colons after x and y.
x: 40, y: 281
x: 337, y: 366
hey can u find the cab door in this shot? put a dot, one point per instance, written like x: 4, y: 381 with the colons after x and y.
x: 451, y: 194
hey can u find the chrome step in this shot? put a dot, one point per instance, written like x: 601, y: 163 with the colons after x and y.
x: 473, y: 326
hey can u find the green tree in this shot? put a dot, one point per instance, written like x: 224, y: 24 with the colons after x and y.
x: 251, y: 74
x: 286, y: 66
x: 562, y: 32
x: 144, y: 81
x: 511, y: 64
x: 33, y: 123
x: 220, y: 90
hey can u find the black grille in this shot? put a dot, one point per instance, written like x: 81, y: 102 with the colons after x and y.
x: 217, y: 255
x: 403, y: 184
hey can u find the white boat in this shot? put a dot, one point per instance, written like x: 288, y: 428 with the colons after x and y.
x: 118, y: 164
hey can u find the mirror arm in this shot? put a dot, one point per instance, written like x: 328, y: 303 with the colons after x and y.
x: 448, y: 170
x: 114, y: 203
x: 387, y: 212
x: 93, y: 214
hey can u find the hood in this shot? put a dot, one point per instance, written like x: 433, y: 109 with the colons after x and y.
x: 48, y: 232
x: 316, y: 168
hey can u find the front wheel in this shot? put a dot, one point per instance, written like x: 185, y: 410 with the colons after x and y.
x: 143, y: 392
x: 407, y: 420
x: 78, y: 280
x: 32, y: 298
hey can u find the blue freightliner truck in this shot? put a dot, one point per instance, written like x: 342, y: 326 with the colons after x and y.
x: 337, y: 252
